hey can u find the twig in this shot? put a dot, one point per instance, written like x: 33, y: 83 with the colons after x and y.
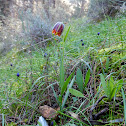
x: 93, y: 107
x: 100, y: 113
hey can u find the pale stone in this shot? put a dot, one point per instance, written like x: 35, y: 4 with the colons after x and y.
x: 47, y: 112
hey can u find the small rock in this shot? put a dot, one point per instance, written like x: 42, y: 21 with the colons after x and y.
x: 48, y: 112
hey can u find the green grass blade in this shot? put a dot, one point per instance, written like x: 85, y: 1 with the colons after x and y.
x: 79, y: 79
x: 66, y: 83
x: 112, y: 93
x: 102, y: 66
x: 66, y: 34
x: 54, y: 93
x: 67, y: 92
x: 124, y: 102
x: 36, y: 82
x: 107, y: 64
x: 119, y: 85
x: 81, y: 106
x: 87, y: 77
x: 111, y: 84
x: 2, y: 119
x: 84, y: 124
x: 86, y: 64
x: 75, y: 92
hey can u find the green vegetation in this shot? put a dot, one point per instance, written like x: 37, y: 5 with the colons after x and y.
x: 71, y: 75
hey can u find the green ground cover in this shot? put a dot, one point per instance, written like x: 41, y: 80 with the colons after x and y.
x: 104, y: 55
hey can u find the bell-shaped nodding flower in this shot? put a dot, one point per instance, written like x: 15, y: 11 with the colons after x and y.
x: 58, y: 28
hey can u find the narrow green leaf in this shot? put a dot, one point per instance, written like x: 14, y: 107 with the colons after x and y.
x: 79, y: 79
x: 75, y: 92
x: 124, y: 102
x: 55, y: 95
x: 111, y: 84
x: 107, y: 64
x: 61, y: 73
x: 66, y: 34
x: 87, y: 77
x: 60, y: 98
x: 67, y: 92
x: 66, y: 83
x: 112, y: 93
x: 104, y: 85
x: 108, y: 88
x: 102, y: 66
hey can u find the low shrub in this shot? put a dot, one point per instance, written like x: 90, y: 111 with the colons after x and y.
x: 99, y: 9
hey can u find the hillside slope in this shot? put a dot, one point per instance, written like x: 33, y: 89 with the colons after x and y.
x: 32, y: 77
